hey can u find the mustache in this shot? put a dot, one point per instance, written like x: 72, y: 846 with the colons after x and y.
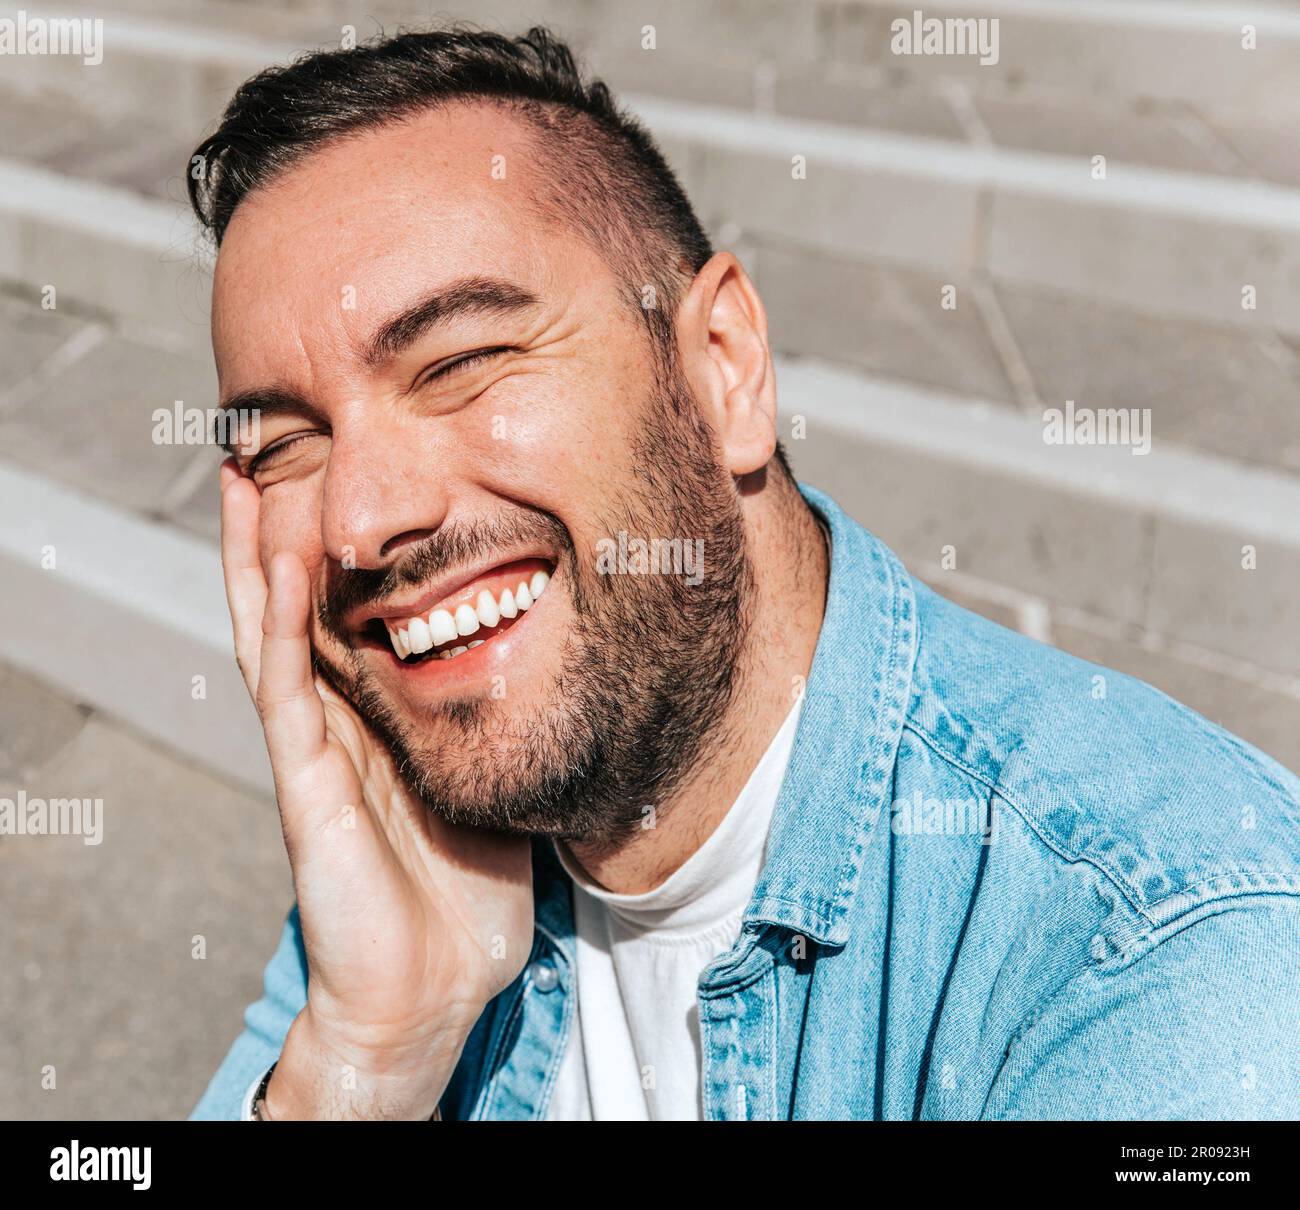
x: 346, y: 590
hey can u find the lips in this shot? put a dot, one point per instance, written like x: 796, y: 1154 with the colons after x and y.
x: 475, y: 613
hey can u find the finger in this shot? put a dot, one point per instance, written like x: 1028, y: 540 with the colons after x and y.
x: 242, y: 568
x: 230, y: 472
x: 293, y: 715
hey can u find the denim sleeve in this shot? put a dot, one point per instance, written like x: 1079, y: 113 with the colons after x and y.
x: 1203, y: 1026
x: 266, y: 1022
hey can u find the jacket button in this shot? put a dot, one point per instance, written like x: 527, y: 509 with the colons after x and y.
x: 543, y: 975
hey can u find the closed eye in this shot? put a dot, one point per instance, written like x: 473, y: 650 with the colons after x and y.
x: 462, y: 361
x: 273, y: 450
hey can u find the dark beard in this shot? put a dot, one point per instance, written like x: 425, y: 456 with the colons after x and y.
x: 649, y: 669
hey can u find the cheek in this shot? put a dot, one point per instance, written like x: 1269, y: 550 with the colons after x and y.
x: 290, y: 520
x: 571, y: 442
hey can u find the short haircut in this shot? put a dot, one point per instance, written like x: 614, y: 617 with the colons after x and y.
x: 611, y: 182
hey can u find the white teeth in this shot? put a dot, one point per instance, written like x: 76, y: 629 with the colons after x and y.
x: 420, y: 638
x: 475, y: 643
x: 487, y: 610
x: 441, y: 626
x: 466, y: 619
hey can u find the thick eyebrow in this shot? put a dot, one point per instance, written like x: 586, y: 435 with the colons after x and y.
x: 466, y: 296
x: 261, y: 402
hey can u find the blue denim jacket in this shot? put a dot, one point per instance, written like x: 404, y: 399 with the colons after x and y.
x: 1000, y: 883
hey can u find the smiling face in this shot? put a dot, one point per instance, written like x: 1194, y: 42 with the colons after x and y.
x: 460, y: 408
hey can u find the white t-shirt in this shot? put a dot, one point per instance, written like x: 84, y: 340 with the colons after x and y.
x: 634, y: 1050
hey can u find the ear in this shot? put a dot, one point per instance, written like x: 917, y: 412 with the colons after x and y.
x: 722, y: 335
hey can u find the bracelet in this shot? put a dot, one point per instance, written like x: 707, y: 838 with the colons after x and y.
x: 257, y: 1108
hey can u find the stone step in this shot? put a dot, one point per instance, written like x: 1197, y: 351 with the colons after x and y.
x: 1214, y: 249
x: 1226, y: 391
x: 183, y: 895
x: 1166, y: 84
x: 1174, y: 543
x: 159, y: 653
x: 723, y: 52
x: 104, y: 247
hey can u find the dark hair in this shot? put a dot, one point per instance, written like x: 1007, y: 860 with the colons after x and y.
x: 617, y: 189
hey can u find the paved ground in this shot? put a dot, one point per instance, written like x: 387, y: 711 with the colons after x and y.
x: 99, y: 978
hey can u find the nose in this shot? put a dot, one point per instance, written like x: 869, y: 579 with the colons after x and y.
x: 379, y: 495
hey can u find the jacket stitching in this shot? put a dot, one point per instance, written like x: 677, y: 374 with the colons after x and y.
x: 891, y: 704
x: 1100, y: 970
x: 885, y: 704
x: 1088, y: 859
x: 1119, y: 880
x: 1292, y: 888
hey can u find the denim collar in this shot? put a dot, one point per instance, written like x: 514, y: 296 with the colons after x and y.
x: 856, y: 699
x: 840, y: 772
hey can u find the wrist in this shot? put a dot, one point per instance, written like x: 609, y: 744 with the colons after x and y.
x: 321, y: 1075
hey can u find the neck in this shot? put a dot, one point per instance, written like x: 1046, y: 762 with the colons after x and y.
x: 790, y: 559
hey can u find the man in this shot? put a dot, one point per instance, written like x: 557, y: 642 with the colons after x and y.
x: 620, y: 776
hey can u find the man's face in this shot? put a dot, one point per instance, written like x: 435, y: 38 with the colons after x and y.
x: 460, y: 409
